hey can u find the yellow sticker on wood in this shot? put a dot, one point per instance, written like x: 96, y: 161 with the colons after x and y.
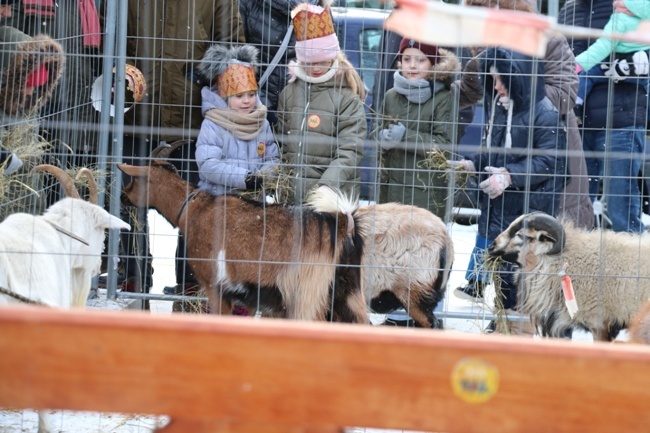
x: 474, y: 380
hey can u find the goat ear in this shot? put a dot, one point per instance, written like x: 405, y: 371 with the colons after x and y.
x: 105, y: 220
x: 116, y: 223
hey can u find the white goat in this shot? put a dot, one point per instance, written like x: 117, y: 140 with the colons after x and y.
x: 610, y: 274
x: 50, y: 259
x: 407, y: 257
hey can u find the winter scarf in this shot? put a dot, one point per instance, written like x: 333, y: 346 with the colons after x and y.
x: 296, y: 71
x: 508, y: 104
x: 418, y: 91
x: 243, y: 126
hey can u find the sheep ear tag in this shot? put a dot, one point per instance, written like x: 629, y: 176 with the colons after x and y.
x: 567, y: 291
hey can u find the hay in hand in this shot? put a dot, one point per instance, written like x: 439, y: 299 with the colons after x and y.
x: 436, y: 160
x: 20, y: 191
x: 276, y: 182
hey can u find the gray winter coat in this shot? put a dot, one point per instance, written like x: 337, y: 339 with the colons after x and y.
x: 224, y: 161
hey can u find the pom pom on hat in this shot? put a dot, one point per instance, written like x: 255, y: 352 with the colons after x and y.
x: 316, y: 39
x: 232, y: 69
x: 38, y: 77
x: 431, y: 51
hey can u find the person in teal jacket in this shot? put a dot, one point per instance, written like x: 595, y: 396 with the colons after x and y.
x: 630, y: 58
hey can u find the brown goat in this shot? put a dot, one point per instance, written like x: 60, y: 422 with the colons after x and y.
x: 236, y: 244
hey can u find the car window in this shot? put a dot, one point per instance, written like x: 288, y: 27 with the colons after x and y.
x: 369, y: 41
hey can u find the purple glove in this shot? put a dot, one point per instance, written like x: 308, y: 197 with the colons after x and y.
x: 494, y: 185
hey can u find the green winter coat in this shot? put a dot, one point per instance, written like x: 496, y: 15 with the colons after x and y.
x: 404, y: 178
x: 322, y: 128
x: 175, y: 35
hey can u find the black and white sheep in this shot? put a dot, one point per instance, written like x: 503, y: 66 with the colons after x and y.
x: 407, y: 258
x: 610, y: 274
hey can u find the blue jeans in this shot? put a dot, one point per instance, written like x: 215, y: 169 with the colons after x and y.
x: 621, y: 165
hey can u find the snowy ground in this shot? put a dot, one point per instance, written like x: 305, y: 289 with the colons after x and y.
x: 163, y: 249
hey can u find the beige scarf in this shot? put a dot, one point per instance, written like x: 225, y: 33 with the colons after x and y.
x: 243, y: 126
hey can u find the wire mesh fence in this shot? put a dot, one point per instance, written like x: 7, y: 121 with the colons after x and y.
x: 127, y: 77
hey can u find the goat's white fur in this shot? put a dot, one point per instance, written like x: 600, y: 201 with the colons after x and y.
x: 610, y: 273
x: 45, y: 265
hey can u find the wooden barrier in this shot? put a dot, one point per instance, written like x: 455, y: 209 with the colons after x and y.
x: 232, y: 374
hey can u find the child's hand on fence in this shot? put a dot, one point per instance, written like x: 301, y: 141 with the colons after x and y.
x: 392, y: 135
x: 463, y: 164
x: 617, y: 70
x: 499, y: 180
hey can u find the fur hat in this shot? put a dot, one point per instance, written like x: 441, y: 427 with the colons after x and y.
x: 316, y: 39
x: 431, y: 51
x: 232, y: 69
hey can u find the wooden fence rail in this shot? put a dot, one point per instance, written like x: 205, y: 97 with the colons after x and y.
x: 232, y: 374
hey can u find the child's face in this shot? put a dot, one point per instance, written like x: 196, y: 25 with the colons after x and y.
x: 244, y: 102
x: 498, y: 86
x: 317, y: 69
x: 415, y: 65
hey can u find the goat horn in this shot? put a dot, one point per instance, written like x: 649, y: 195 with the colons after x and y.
x: 156, y: 152
x: 92, y: 185
x: 163, y: 151
x: 60, y: 175
x: 542, y: 221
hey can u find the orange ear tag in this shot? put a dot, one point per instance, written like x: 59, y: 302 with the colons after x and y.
x: 261, y: 149
x: 567, y: 290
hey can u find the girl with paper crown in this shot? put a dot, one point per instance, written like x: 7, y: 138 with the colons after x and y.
x: 235, y: 149
x: 321, y: 117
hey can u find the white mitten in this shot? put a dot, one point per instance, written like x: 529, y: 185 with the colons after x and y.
x: 641, y: 63
x: 494, y: 185
x: 618, y: 70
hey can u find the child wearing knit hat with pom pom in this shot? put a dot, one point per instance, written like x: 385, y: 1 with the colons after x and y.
x: 321, y: 119
x: 417, y: 116
x: 235, y: 147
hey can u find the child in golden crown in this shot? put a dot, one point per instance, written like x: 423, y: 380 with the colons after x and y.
x: 235, y: 147
x: 321, y: 118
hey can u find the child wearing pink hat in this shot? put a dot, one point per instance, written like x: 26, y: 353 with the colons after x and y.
x: 321, y: 118
x: 416, y: 117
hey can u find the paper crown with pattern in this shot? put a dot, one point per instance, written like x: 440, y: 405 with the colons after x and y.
x: 230, y: 68
x: 237, y: 78
x: 316, y: 39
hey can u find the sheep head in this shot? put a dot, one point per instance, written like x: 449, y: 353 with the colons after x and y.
x: 143, y: 181
x: 529, y: 237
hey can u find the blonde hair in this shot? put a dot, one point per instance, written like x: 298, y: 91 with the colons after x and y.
x: 352, y: 77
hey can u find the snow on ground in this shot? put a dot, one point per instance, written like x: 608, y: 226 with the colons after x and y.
x: 163, y: 244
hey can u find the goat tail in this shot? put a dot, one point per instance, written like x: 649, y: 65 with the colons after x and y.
x: 331, y: 200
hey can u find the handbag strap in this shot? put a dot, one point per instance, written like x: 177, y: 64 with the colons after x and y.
x: 277, y: 57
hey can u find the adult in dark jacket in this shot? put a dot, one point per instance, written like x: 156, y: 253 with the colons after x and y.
x: 516, y: 177
x: 266, y: 23
x: 625, y: 135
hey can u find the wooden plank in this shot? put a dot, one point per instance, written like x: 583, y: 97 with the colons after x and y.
x: 215, y: 370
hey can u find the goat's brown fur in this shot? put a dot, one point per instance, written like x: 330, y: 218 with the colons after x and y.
x: 231, y: 241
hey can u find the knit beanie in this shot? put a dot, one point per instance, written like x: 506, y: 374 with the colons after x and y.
x: 316, y: 39
x: 38, y: 77
x: 232, y: 69
x: 431, y: 51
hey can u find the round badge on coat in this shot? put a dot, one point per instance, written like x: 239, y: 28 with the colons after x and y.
x: 261, y: 148
x: 313, y: 121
